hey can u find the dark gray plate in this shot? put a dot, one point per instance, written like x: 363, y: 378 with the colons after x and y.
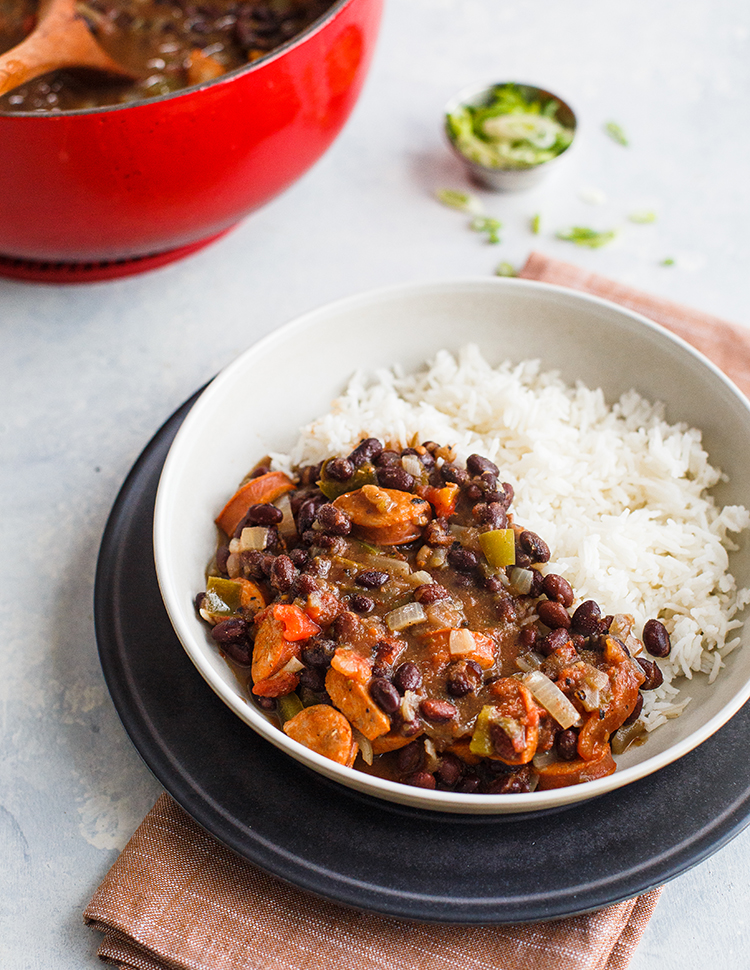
x: 357, y: 850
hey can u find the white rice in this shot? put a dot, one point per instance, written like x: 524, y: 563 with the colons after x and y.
x: 620, y: 496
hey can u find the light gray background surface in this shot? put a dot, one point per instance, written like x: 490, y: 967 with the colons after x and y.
x: 87, y: 375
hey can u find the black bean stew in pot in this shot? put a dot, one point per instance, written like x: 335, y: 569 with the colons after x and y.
x: 389, y: 613
x: 167, y: 44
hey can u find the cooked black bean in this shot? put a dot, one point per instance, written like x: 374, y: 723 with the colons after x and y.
x: 464, y: 560
x: 339, y: 469
x: 345, y: 626
x: 491, y: 514
x: 558, y: 588
x: 318, y: 654
x: 394, y: 476
x: 656, y: 638
x: 528, y: 636
x: 449, y: 770
x: 361, y: 604
x: 566, y: 745
x: 477, y: 465
x: 222, y: 555
x: 463, y: 677
x: 436, y: 710
x: 385, y: 695
x: 233, y: 630
x: 240, y: 653
x: 410, y: 758
x: 535, y: 547
x: 313, y: 678
x: 586, y: 618
x: 366, y: 450
x: 553, y: 614
x: 468, y: 784
x: 654, y: 676
x: 267, y: 703
x: 300, y: 557
x: 635, y: 713
x: 452, y: 473
x: 407, y: 677
x: 421, y: 779
x: 306, y: 514
x: 283, y: 573
x: 263, y: 514
x: 387, y: 458
x: 371, y: 579
x: 334, y: 521
x: 536, y: 583
x: 430, y: 593
x: 552, y: 641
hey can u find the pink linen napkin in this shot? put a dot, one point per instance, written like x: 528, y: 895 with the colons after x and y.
x: 178, y: 900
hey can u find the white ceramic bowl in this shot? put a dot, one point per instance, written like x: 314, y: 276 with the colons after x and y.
x: 259, y: 402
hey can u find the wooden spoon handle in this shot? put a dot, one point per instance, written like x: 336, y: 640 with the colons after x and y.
x: 61, y: 39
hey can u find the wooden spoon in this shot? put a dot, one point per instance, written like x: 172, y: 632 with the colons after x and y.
x: 60, y: 39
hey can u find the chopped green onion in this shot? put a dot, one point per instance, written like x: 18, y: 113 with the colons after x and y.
x: 488, y: 225
x: 509, y: 130
x: 616, y: 133
x: 463, y: 201
x: 583, y: 236
x: 505, y: 269
x: 642, y: 216
x: 667, y: 262
x: 536, y: 223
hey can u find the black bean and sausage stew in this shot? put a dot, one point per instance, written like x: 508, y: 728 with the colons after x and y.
x: 389, y: 613
x: 167, y: 44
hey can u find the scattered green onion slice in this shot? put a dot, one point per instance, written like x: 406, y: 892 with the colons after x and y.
x: 642, y: 216
x: 536, y: 223
x: 667, y: 262
x: 463, y: 201
x: 505, y: 269
x: 584, y: 236
x: 488, y: 225
x: 616, y: 133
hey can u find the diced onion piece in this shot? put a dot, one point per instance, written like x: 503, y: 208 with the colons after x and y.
x: 234, y: 545
x: 432, y: 755
x: 529, y: 661
x: 293, y: 666
x: 409, y: 705
x: 622, y: 629
x: 499, y: 547
x: 287, y: 525
x: 405, y: 616
x: 365, y: 746
x: 412, y: 465
x: 444, y: 615
x: 461, y: 642
x: 253, y: 538
x: 521, y: 579
x: 466, y: 535
x: 552, y: 699
x: 397, y: 567
x: 420, y: 578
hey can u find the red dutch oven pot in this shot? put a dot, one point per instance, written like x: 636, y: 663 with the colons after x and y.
x: 109, y: 191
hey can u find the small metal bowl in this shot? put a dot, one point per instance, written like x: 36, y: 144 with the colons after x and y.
x: 507, y: 179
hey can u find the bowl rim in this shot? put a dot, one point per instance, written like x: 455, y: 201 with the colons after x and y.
x: 295, y: 41
x: 471, y: 92
x: 392, y: 791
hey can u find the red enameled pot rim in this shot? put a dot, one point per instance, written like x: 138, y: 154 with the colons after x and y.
x: 277, y: 52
